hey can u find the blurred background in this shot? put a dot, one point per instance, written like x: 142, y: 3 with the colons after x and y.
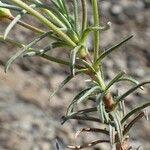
x: 28, y: 121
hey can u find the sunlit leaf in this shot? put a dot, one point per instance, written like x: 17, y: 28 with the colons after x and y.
x: 13, y: 58
x: 132, y: 122
x: 110, y: 50
x: 61, y: 86
x: 138, y: 109
x: 14, y: 22
x: 130, y: 79
x: 73, y: 55
x: 120, y: 98
x: 115, y: 79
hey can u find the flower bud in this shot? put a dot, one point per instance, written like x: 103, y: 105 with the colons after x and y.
x: 5, y: 13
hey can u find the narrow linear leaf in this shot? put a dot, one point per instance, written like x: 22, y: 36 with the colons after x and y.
x: 61, y: 6
x: 10, y: 7
x: 129, y: 126
x: 33, y: 52
x: 85, y: 111
x: 106, y: 116
x: 117, y: 123
x: 120, y: 98
x: 65, y: 11
x: 14, y: 22
x: 115, y: 79
x: 88, y: 93
x: 47, y: 9
x: 100, y: 107
x: 112, y: 134
x: 61, y: 86
x: 138, y: 109
x: 81, y: 97
x: 61, y: 61
x: 45, y: 21
x: 110, y: 50
x: 104, y: 131
x: 76, y: 19
x: 73, y: 55
x: 13, y: 58
x: 70, y: 115
x: 130, y: 79
x: 88, y: 145
x: 60, y: 16
x: 78, y: 117
x: 80, y: 94
x: 11, y: 25
x: 123, y: 108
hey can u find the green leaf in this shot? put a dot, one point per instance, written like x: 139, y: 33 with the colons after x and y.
x: 87, y: 94
x: 81, y: 97
x: 76, y: 16
x: 10, y: 7
x: 84, y: 111
x: 63, y: 8
x: 11, y: 25
x: 110, y: 50
x: 114, y: 80
x: 85, y: 118
x: 73, y: 55
x: 100, y: 107
x: 122, y: 108
x: 61, y: 17
x: 61, y: 86
x: 112, y: 134
x: 117, y: 123
x: 130, y: 125
x: 33, y: 52
x: 120, y: 98
x: 13, y: 58
x: 14, y: 22
x: 78, y: 96
x: 130, y: 79
x: 138, y: 109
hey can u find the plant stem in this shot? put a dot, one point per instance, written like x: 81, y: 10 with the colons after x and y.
x: 100, y: 80
x: 84, y: 14
x: 45, y: 21
x: 28, y: 26
x: 96, y: 33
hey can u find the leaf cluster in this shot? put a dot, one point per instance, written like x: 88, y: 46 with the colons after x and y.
x: 66, y: 30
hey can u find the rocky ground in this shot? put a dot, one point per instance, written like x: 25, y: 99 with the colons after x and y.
x: 28, y: 121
